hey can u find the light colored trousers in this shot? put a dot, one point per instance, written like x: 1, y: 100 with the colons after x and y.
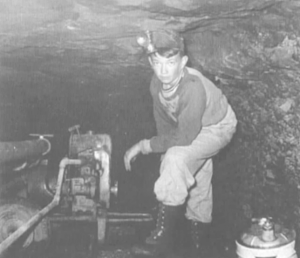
x: 186, y: 171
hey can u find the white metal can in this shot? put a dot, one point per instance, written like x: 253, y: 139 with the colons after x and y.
x: 266, y: 239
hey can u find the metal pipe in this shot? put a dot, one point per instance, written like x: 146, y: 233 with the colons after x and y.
x: 128, y: 214
x: 134, y: 218
x: 63, y: 218
x: 127, y: 220
x: 118, y: 217
x: 13, y: 151
x: 36, y: 218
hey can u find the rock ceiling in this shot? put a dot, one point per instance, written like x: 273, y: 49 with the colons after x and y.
x: 234, y: 31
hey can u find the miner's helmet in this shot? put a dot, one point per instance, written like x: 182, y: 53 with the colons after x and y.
x: 166, y: 43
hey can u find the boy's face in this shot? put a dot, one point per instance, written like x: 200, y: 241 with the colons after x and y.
x: 167, y: 69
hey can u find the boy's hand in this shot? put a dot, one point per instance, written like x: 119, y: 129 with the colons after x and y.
x: 131, y: 154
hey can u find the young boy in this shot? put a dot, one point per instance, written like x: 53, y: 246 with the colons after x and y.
x: 194, y: 122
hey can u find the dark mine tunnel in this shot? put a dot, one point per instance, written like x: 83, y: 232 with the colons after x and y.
x: 77, y: 62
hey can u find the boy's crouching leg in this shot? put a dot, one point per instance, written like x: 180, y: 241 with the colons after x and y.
x: 160, y: 242
x: 200, y: 234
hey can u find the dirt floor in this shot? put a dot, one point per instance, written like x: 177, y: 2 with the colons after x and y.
x: 76, y: 240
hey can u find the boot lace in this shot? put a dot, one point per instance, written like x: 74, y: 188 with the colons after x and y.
x: 195, y: 234
x: 160, y: 226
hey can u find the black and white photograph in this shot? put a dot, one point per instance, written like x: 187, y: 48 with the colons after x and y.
x: 149, y: 128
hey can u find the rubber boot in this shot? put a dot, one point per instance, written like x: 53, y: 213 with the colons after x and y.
x: 200, y: 239
x: 160, y: 242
